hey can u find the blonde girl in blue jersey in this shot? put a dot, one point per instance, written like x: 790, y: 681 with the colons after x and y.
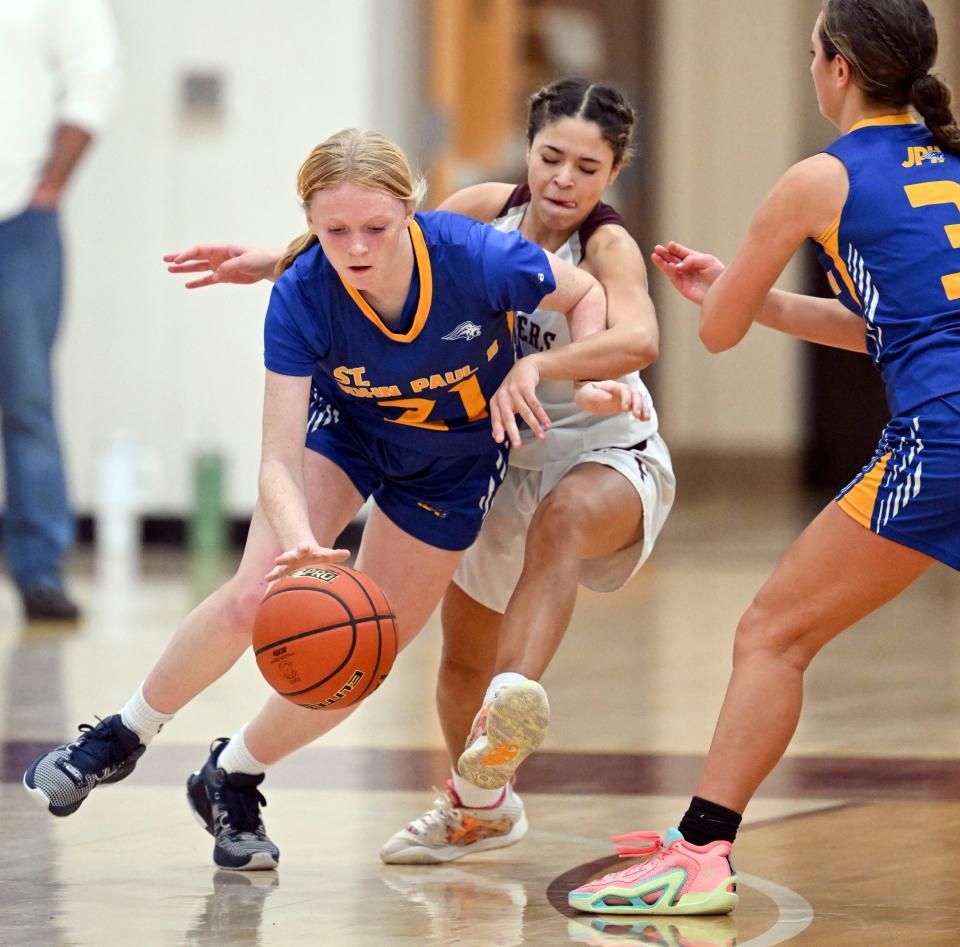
x: 585, y: 506
x: 372, y: 295
x: 883, y: 205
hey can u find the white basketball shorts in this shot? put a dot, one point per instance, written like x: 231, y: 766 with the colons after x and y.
x: 491, y: 567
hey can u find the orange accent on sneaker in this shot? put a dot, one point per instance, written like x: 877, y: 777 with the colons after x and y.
x: 500, y: 754
x: 473, y: 830
x: 479, y: 727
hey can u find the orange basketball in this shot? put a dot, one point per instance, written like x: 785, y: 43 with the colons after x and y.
x: 325, y: 636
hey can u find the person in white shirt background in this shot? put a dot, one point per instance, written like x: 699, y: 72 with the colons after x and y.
x: 57, y: 78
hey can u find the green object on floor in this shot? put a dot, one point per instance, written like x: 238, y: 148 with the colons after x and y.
x: 208, y: 522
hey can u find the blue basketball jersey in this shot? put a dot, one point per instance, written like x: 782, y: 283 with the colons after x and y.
x: 425, y: 382
x: 893, y: 255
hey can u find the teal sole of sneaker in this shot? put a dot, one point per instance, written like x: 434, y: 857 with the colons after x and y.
x: 718, y: 901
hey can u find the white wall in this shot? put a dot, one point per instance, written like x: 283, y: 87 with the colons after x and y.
x: 736, y: 93
x: 179, y: 370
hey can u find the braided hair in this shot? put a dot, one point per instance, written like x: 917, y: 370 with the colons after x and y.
x: 891, y: 45
x: 594, y: 102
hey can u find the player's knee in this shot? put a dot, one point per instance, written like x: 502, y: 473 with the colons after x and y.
x: 459, y: 671
x: 242, y: 599
x: 767, y: 633
x: 558, y: 522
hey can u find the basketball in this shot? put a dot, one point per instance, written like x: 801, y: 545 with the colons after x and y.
x: 325, y: 636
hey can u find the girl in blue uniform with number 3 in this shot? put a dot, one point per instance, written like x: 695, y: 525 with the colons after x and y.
x: 389, y: 338
x: 882, y: 204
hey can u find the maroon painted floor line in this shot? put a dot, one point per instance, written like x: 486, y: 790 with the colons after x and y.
x: 813, y: 777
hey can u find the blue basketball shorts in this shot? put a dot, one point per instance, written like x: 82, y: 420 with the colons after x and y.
x: 910, y: 490
x: 439, y: 499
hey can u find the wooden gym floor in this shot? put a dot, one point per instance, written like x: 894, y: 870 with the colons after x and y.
x: 854, y: 840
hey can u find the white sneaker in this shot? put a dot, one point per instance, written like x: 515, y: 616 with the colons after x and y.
x: 505, y: 732
x: 450, y: 830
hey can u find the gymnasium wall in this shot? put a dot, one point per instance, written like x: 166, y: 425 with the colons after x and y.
x: 175, y: 373
x: 140, y: 358
x: 738, y: 107
x: 731, y: 121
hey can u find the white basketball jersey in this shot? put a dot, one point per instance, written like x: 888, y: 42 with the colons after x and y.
x: 573, y: 430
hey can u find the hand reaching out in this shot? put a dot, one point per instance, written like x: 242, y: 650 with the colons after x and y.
x: 226, y: 263
x: 691, y: 272
x: 517, y: 394
x: 612, y: 397
x: 305, y: 554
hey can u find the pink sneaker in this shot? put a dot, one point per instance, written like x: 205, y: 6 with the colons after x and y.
x: 680, y: 878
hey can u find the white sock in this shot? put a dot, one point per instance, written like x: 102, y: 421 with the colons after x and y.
x: 473, y: 797
x: 137, y: 715
x: 237, y: 758
x: 506, y: 679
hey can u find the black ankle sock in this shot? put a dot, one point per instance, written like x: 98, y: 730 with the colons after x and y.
x: 706, y: 822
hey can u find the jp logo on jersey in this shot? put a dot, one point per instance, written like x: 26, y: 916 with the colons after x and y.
x: 918, y: 155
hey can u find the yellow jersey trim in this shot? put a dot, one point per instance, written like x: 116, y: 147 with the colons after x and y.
x: 830, y: 241
x: 422, y: 257
x: 902, y: 118
x: 859, y: 501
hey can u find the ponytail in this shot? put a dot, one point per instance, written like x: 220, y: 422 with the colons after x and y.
x: 931, y: 98
x: 296, y: 246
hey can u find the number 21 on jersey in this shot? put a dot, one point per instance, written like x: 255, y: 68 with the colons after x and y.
x: 417, y: 411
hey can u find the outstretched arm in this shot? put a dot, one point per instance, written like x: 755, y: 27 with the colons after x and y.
x: 802, y: 204
x: 235, y: 263
x: 812, y: 318
x: 580, y: 297
x: 224, y: 263
x: 632, y: 339
x: 281, y: 475
x: 824, y: 321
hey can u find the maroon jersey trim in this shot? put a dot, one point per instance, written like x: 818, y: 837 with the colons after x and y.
x: 519, y: 196
x: 600, y: 215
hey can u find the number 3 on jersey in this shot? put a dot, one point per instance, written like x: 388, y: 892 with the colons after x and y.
x: 417, y: 410
x: 940, y: 192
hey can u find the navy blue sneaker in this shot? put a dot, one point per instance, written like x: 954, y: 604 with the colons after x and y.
x: 227, y: 805
x: 61, y: 779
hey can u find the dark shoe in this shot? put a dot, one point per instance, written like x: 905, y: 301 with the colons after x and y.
x: 48, y: 603
x: 61, y: 779
x: 227, y: 805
